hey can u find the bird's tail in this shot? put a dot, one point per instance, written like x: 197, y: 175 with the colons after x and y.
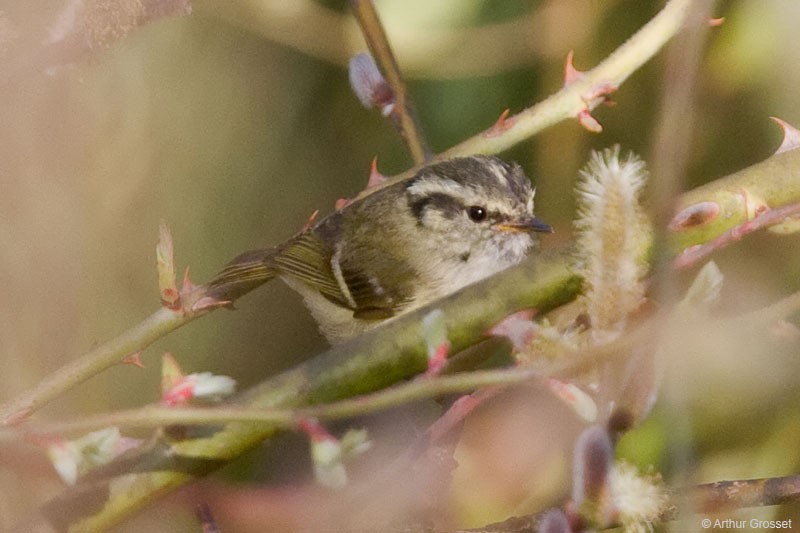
x: 243, y: 274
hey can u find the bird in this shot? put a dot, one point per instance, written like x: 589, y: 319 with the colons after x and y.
x: 400, y: 247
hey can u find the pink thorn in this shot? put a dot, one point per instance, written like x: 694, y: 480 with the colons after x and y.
x: 187, y: 286
x: 503, y: 123
x: 311, y: 221
x: 571, y: 74
x: 438, y: 360
x: 590, y: 123
x: 134, y: 359
x: 375, y: 177
x: 601, y: 91
x: 716, y: 22
x: 315, y: 431
x: 764, y: 217
x: 791, y: 136
x: 341, y: 203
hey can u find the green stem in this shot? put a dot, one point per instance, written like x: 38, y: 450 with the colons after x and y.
x: 384, y: 356
x: 156, y: 416
x: 93, y: 362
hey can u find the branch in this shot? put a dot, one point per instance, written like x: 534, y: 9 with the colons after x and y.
x: 577, y: 96
x: 382, y: 357
x: 402, y: 114
x: 565, y: 104
x: 157, y: 416
x: 93, y: 362
x: 707, y: 212
x: 705, y: 498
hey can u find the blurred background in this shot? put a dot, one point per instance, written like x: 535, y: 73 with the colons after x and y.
x: 235, y: 123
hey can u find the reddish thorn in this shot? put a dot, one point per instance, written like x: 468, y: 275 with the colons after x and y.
x: 437, y: 361
x: 590, y: 123
x: 311, y: 221
x: 134, y: 359
x: 571, y: 74
x: 315, y: 431
x: 341, y: 203
x: 207, y: 303
x: 503, y: 123
x: 694, y: 216
x: 375, y: 177
x: 600, y: 91
x: 791, y: 136
x: 187, y: 286
x: 716, y: 22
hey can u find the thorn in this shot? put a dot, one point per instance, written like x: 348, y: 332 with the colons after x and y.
x: 134, y: 359
x: 599, y: 94
x: 517, y: 327
x: 375, y: 177
x: 716, y: 22
x: 341, y: 203
x: 571, y: 74
x: 207, y: 303
x: 590, y: 123
x: 311, y: 221
x: 791, y: 136
x: 694, y: 216
x: 503, y: 124
x: 601, y: 91
x: 187, y: 286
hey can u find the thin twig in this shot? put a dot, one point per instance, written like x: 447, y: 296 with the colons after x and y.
x: 159, y: 416
x: 402, y: 114
x: 694, y: 254
x: 106, y: 355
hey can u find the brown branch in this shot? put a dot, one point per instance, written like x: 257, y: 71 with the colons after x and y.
x: 402, y: 115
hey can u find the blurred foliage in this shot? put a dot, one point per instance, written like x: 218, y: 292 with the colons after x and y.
x: 234, y: 139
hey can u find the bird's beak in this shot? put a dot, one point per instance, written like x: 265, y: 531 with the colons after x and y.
x: 526, y: 224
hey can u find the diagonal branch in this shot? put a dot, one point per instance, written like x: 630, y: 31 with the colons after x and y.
x: 402, y: 113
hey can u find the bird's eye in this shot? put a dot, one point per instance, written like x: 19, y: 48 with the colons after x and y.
x: 476, y: 213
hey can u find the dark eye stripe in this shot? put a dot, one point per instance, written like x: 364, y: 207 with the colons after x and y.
x: 445, y: 203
